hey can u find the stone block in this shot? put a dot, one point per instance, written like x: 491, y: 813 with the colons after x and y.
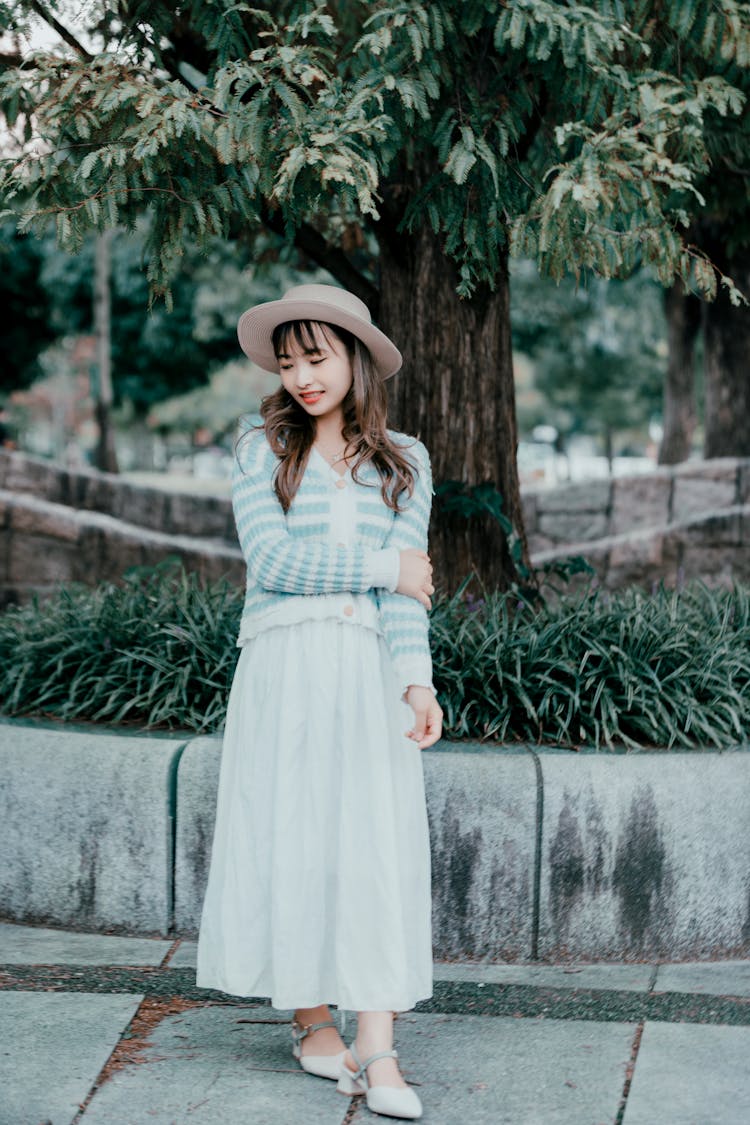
x: 36, y: 560
x: 704, y: 488
x: 635, y: 560
x: 482, y: 813
x: 197, y: 785
x: 32, y: 475
x: 573, y: 526
x: 716, y: 566
x: 203, y: 516
x: 743, y: 487
x: 482, y: 810
x: 645, y: 855
x: 587, y: 496
x: 145, y: 507
x: 639, y: 502
x: 55, y: 521
x: 85, y: 828
x: 721, y: 528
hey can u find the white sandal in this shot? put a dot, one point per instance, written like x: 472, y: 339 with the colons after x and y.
x: 324, y: 1066
x: 392, y: 1101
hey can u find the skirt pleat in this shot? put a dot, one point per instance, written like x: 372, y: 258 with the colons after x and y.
x: 319, y: 881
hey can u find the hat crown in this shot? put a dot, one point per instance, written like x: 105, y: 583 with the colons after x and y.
x: 338, y: 299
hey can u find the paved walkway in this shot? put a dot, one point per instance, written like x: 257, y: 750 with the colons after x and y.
x: 105, y: 1030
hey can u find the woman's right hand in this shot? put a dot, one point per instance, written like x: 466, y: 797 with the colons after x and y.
x: 415, y: 576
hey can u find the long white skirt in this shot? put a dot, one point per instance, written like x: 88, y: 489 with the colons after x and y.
x: 319, y: 882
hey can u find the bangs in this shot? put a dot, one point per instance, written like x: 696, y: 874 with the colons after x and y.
x: 300, y: 334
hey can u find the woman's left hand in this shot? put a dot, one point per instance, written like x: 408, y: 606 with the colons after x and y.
x: 428, y: 716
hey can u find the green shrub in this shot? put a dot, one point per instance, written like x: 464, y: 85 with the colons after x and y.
x: 158, y: 650
x: 633, y: 669
x: 597, y: 669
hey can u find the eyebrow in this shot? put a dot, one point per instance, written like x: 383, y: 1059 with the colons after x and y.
x: 305, y: 351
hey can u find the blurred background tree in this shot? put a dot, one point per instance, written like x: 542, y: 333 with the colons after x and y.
x: 406, y: 148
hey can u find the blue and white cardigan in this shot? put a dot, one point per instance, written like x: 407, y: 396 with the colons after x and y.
x: 296, y: 571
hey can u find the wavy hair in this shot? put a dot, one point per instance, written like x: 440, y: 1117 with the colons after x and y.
x: 290, y: 430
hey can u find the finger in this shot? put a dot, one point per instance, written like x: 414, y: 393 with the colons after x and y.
x: 433, y: 732
x: 429, y: 738
x: 420, y: 724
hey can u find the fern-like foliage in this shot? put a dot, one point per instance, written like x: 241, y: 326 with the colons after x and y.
x: 584, y: 135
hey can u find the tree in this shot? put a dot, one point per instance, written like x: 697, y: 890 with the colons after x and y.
x: 598, y: 348
x: 445, y: 134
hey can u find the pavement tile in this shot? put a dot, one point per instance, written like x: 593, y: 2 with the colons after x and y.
x: 621, y: 978
x: 479, y: 1070
x: 52, y: 1047
x: 35, y: 945
x: 185, y: 956
x: 715, y: 978
x: 216, y: 1066
x: 691, y: 1074
x: 466, y: 1069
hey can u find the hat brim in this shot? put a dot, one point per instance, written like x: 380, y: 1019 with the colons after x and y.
x: 255, y: 329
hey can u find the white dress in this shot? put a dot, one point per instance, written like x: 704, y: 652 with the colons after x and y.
x: 319, y: 882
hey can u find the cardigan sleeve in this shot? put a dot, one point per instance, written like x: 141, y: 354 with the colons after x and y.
x: 278, y: 562
x: 405, y: 621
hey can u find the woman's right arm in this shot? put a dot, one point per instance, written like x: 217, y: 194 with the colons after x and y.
x: 292, y: 566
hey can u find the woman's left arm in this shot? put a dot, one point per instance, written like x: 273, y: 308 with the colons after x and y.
x: 405, y: 620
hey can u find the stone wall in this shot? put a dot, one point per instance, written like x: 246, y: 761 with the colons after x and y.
x: 537, y: 853
x: 60, y: 526
x: 603, y: 509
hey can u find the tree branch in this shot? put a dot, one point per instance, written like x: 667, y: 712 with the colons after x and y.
x: 63, y: 32
x: 331, y: 258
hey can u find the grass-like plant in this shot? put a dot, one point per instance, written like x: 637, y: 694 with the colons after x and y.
x: 596, y: 669
x: 158, y: 650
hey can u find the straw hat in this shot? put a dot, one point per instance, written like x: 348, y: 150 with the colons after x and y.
x: 325, y: 303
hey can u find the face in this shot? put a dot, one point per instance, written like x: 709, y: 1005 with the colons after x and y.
x: 319, y: 377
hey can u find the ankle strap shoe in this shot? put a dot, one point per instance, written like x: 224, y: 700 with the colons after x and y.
x: 388, y: 1100
x: 324, y: 1066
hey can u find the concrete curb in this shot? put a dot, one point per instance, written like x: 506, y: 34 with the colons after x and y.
x: 537, y: 853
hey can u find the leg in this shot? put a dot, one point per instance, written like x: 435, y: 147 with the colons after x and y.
x: 324, y: 1041
x: 375, y: 1033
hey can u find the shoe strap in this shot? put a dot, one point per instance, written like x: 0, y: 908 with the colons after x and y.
x: 362, y: 1066
x: 307, y: 1029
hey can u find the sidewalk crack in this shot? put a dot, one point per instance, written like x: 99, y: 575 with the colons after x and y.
x: 629, y: 1072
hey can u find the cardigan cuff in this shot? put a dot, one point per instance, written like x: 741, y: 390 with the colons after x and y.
x: 384, y: 568
x: 414, y: 671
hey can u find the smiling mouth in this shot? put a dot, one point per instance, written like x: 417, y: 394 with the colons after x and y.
x: 313, y: 396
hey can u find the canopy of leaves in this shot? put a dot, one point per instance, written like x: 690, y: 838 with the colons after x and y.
x: 566, y: 129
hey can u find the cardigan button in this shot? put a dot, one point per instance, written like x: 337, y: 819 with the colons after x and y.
x: 340, y: 484
x: 341, y: 544
x: 348, y: 610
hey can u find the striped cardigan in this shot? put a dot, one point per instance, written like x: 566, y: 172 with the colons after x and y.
x: 295, y: 571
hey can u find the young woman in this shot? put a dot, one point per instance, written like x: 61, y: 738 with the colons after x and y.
x: 319, y: 882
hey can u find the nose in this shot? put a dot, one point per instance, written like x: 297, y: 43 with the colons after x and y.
x: 304, y: 374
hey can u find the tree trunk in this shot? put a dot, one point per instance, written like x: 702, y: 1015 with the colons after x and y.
x: 683, y: 312
x: 105, y: 456
x: 727, y: 375
x: 456, y: 393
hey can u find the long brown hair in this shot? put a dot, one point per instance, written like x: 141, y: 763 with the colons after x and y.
x: 290, y: 430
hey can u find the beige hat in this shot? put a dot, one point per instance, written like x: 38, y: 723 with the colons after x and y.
x: 325, y: 303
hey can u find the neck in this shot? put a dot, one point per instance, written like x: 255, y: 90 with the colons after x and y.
x: 328, y: 432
